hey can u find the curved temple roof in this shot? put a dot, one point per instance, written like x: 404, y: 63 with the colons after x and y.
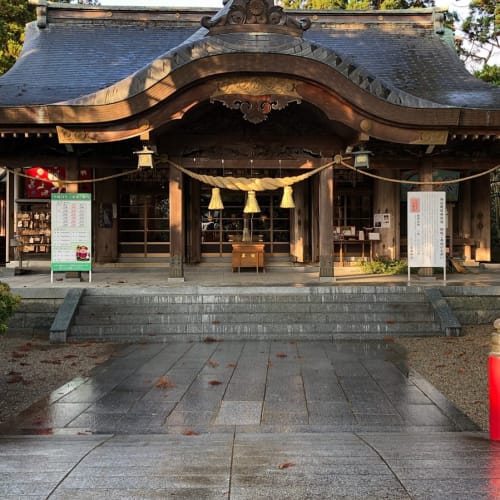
x: 400, y: 57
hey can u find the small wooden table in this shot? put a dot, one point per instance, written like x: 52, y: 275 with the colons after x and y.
x: 343, y: 244
x: 248, y: 255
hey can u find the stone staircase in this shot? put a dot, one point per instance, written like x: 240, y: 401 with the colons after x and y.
x: 271, y: 312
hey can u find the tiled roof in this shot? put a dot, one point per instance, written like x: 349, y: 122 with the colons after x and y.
x: 65, y: 61
x: 414, y: 61
x: 405, y: 64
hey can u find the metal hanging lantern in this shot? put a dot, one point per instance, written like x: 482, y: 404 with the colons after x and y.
x: 145, y: 157
x: 361, y: 159
x: 216, y: 200
x: 251, y: 206
x: 287, y: 200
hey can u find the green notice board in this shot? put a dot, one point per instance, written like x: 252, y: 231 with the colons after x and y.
x: 71, y: 248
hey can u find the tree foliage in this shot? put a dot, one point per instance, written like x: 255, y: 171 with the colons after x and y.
x: 15, y: 14
x: 8, y: 304
x: 490, y: 74
x: 356, y: 4
x: 482, y: 32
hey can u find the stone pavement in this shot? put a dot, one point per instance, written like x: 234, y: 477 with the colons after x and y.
x: 221, y: 275
x: 248, y: 420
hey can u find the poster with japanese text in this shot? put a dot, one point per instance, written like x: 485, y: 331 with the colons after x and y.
x: 71, y: 231
x: 427, y: 229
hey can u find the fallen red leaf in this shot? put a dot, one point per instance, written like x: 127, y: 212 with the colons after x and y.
x: 231, y: 365
x: 17, y: 355
x: 286, y: 465
x: 43, y: 432
x: 215, y: 322
x: 213, y: 364
x: 190, y: 432
x: 208, y: 340
x: 165, y: 383
x: 215, y: 382
x: 25, y: 347
x: 281, y: 355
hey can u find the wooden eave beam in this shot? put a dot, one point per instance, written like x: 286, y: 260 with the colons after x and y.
x: 319, y: 84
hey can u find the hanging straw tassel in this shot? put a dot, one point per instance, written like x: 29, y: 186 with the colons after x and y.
x: 287, y: 200
x: 251, y: 206
x: 215, y: 200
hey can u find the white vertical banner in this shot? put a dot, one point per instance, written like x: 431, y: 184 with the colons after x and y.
x: 427, y: 229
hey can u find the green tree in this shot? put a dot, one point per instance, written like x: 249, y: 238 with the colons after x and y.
x: 481, y: 30
x: 490, y: 74
x: 356, y: 4
x: 15, y: 14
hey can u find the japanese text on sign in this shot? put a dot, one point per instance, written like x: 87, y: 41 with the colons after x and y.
x: 71, y: 232
x: 427, y: 229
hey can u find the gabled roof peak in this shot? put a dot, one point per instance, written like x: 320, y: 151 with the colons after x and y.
x: 254, y: 15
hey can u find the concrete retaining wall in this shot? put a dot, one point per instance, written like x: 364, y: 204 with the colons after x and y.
x: 474, y: 305
x: 37, y: 310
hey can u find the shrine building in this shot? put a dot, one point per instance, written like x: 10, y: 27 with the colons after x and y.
x: 291, y: 131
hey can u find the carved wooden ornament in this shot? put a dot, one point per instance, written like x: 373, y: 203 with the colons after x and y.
x: 256, y: 97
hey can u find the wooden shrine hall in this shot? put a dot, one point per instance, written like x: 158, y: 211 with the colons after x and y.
x: 286, y: 130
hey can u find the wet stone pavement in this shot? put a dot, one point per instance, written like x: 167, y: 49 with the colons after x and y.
x: 248, y: 420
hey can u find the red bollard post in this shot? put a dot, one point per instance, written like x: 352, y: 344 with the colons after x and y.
x: 494, y: 382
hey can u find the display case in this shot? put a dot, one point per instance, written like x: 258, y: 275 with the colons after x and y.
x: 32, y: 223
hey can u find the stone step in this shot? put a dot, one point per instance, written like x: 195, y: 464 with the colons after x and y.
x: 260, y: 308
x: 237, y: 330
x: 252, y: 299
x: 195, y: 312
x: 118, y: 318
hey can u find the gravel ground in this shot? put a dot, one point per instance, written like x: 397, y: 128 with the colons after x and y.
x: 457, y: 367
x: 31, y: 369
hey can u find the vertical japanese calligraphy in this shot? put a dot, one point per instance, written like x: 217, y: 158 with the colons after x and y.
x: 427, y: 229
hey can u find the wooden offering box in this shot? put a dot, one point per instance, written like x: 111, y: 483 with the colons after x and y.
x: 248, y: 255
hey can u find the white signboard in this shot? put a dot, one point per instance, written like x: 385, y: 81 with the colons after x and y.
x: 71, y: 232
x: 427, y: 229
x: 382, y: 221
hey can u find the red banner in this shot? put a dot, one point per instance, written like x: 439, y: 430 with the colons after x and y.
x: 43, y: 181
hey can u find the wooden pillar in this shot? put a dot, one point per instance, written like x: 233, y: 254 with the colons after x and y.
x: 426, y: 175
x: 314, y: 225
x: 193, y: 223
x: 298, y: 224
x: 326, y: 196
x: 176, y: 271
x: 10, y: 228
x: 481, y: 217
x: 72, y: 173
x: 464, y: 216
x: 105, y: 218
x: 386, y: 200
